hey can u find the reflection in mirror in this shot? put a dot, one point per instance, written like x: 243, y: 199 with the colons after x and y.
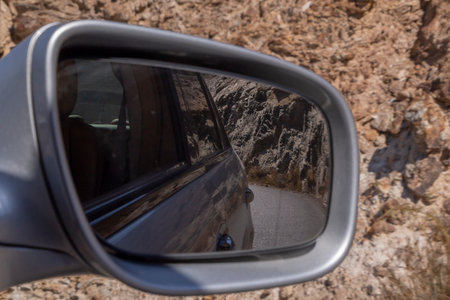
x: 172, y: 161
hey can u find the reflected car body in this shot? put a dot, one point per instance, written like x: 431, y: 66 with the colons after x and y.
x: 207, y: 208
x: 166, y: 178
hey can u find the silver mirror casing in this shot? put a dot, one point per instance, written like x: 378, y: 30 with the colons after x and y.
x: 81, y: 248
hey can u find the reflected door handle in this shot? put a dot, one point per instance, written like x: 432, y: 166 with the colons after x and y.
x: 249, y: 196
x: 225, y: 243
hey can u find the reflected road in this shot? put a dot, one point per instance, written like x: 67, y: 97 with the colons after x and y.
x: 283, y: 218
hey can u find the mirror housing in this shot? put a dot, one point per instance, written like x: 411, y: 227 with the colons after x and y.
x: 54, y: 233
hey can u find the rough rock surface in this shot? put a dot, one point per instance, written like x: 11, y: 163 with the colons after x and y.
x: 282, y: 139
x: 5, y: 26
x: 390, y: 61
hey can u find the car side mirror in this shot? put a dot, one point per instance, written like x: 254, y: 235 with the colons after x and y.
x: 119, y: 162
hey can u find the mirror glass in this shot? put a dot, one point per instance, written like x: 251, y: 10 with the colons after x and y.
x: 167, y: 160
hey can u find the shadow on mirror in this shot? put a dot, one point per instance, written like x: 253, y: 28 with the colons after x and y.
x: 168, y: 161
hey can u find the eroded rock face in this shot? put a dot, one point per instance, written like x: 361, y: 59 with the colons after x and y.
x: 432, y: 45
x: 281, y: 138
x: 5, y: 25
x: 390, y: 61
x: 421, y: 175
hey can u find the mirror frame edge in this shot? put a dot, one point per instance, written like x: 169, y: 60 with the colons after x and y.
x: 188, y: 278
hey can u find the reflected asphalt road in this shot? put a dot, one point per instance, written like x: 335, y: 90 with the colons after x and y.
x: 283, y: 218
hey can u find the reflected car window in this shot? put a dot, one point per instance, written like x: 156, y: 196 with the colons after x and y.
x: 118, y: 123
x: 201, y: 131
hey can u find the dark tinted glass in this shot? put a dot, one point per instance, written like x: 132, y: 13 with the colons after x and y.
x: 202, y: 137
x: 118, y: 123
x: 99, y: 94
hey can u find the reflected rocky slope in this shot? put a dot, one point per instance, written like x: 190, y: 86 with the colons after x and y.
x: 281, y: 138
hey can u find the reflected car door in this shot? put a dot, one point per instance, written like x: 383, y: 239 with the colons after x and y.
x: 184, y: 187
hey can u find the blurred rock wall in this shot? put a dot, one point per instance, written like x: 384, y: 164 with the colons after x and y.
x: 390, y: 61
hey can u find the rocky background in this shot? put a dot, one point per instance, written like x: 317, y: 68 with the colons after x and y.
x: 390, y: 61
x: 281, y: 138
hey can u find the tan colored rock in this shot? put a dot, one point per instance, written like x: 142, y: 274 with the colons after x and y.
x: 421, y: 175
x: 384, y: 185
x: 380, y: 271
x: 5, y: 26
x: 430, y: 124
x: 433, y: 36
x: 381, y: 226
x: 382, y: 119
x: 447, y: 206
x: 440, y: 190
x: 27, y: 23
x: 22, y: 6
x: 66, y: 7
x: 432, y: 45
x: 371, y: 135
x: 392, y: 204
